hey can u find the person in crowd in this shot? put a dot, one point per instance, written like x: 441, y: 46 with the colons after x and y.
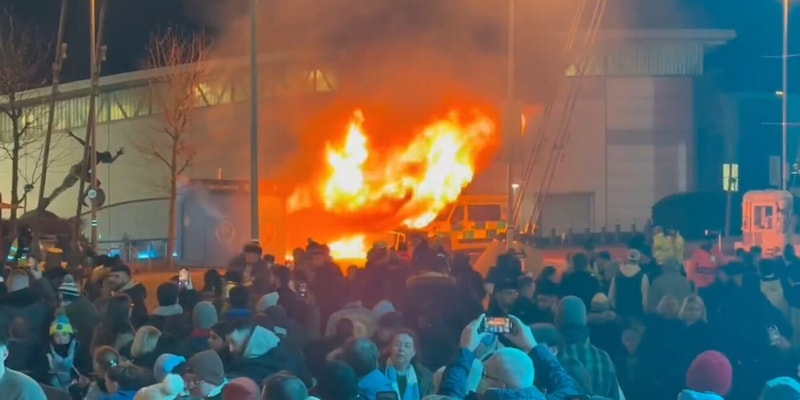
x: 548, y: 335
x: 667, y: 245
x: 241, y: 389
x: 548, y: 273
x: 546, y: 298
x: 701, y: 269
x: 103, y: 359
x: 23, y: 349
x: 204, y: 317
x: 288, y: 298
x: 23, y: 301
x: 605, y: 269
x: 670, y: 282
x: 317, y: 351
x: 355, y: 311
x: 710, y: 376
x: 504, y: 298
x: 628, y: 363
x: 603, y: 325
x: 16, y: 385
x: 410, y: 380
x: 169, y: 316
x: 571, y: 320
x: 250, y: 264
x: 115, y: 328
x: 362, y: 355
x: 238, y: 303
x: 336, y: 381
x: 80, y: 311
x: 143, y: 348
x: 772, y: 286
x: 168, y: 388
x: 63, y: 355
x: 578, y: 281
x: 466, y: 277
x: 388, y: 324
x: 629, y: 290
x: 213, y: 289
x: 204, y: 375
x: 509, y: 372
x: 696, y: 337
x: 123, y: 381
x: 121, y: 282
x: 258, y: 353
x: 284, y: 386
x: 781, y: 388
x: 167, y: 364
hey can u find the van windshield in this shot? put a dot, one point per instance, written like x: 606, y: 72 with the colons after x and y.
x: 484, y: 213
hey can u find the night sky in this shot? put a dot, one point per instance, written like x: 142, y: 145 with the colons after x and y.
x: 742, y: 66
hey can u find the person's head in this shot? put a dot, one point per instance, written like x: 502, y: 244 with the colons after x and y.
x: 337, y: 381
x: 61, y: 330
x: 241, y: 389
x: 284, y: 386
x: 505, y: 293
x: 204, y: 316
x: 634, y: 256
x: 252, y: 252
x: 526, y: 286
x: 17, y: 280
x: 119, y: 276
x: 692, y: 310
x: 145, y: 341
x: 123, y: 378
x: 216, y: 337
x: 118, y: 309
x: 204, y: 373
x: 546, y: 295
x: 570, y: 312
x: 403, y: 348
x: 579, y: 262
x: 388, y: 324
x: 668, y: 307
x: 269, y: 259
x: 167, y: 294
x: 710, y: 372
x: 631, y: 338
x: 548, y: 273
x: 105, y: 358
x: 68, y: 290
x: 281, y: 275
x: 212, y: 282
x: 239, y: 297
x: 361, y: 354
x: 508, y: 368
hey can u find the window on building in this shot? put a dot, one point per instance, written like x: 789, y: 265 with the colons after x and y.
x: 730, y: 177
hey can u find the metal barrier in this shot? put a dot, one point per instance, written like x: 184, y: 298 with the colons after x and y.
x: 618, y: 235
x: 140, y: 251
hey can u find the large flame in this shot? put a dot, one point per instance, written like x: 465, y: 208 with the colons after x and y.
x: 408, y: 186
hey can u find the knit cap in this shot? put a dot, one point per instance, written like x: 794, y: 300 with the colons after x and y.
x: 165, y: 365
x: 710, y: 372
x: 204, y: 316
x: 69, y: 289
x: 207, y: 366
x: 61, y: 325
x: 782, y: 388
x: 570, y: 312
x: 240, y: 389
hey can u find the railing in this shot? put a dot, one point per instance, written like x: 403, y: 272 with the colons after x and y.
x: 135, y: 250
x: 618, y: 235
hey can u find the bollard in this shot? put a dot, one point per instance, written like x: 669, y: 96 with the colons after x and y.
x: 570, y: 235
x: 587, y: 231
x: 633, y: 226
x: 553, y: 234
x: 648, y: 225
x: 603, y: 234
x: 617, y: 232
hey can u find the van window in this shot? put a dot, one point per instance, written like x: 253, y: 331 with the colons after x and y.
x: 484, y: 213
x: 458, y: 215
x: 444, y: 214
x: 763, y: 217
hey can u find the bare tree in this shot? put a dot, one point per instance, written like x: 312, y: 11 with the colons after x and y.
x: 24, y: 66
x: 181, y: 58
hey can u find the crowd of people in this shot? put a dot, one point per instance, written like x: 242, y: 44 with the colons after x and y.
x: 649, y: 326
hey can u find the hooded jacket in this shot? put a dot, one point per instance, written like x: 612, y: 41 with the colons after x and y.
x: 670, y: 283
x: 29, y: 305
x: 263, y: 356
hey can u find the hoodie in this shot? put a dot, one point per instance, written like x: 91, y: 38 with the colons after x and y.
x: 265, y: 355
x: 670, y: 283
x: 629, y: 290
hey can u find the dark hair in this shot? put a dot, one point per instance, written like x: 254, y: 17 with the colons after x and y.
x: 114, y: 321
x: 212, y: 282
x: 284, y: 386
x: 580, y: 261
x: 167, y: 294
x: 337, y: 381
x: 524, y: 282
x: 239, y: 297
x: 128, y: 377
x: 361, y: 354
x: 345, y: 328
x: 282, y: 274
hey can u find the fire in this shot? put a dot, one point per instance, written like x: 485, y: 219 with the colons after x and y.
x: 352, y: 248
x: 402, y: 186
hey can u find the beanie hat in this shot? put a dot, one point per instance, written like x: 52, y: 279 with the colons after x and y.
x: 570, y: 312
x: 69, y: 289
x: 61, y: 325
x: 710, y: 372
x: 207, y: 366
x: 204, y: 315
x: 600, y: 303
x: 266, y: 301
x: 782, y: 388
x: 165, y: 365
x: 240, y: 389
x: 169, y: 388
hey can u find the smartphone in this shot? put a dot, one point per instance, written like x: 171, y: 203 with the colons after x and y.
x: 497, y: 325
x: 183, y: 277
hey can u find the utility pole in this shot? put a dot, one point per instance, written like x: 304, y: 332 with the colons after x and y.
x: 96, y: 56
x: 508, y: 128
x: 255, y: 233
x: 785, y: 98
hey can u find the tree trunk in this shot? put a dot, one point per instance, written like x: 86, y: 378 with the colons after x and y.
x: 173, y: 205
x: 15, y: 151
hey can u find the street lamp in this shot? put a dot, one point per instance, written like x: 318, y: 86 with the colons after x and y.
x: 785, y: 96
x: 254, y: 217
x: 509, y: 146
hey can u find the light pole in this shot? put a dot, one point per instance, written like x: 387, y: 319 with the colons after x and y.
x: 254, y: 217
x: 508, y: 131
x: 785, y: 97
x: 95, y: 59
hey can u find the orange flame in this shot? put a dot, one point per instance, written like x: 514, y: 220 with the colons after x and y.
x: 412, y: 184
x: 351, y: 248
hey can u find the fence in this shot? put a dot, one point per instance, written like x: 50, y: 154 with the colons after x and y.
x: 618, y: 235
x: 139, y: 251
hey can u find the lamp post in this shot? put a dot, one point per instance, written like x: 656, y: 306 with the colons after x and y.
x: 785, y: 97
x: 95, y: 75
x: 508, y: 131
x: 254, y: 217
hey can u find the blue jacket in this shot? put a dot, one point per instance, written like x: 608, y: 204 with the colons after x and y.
x: 555, y: 380
x: 373, y: 383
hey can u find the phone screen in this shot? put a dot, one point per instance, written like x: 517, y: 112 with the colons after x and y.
x: 497, y: 325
